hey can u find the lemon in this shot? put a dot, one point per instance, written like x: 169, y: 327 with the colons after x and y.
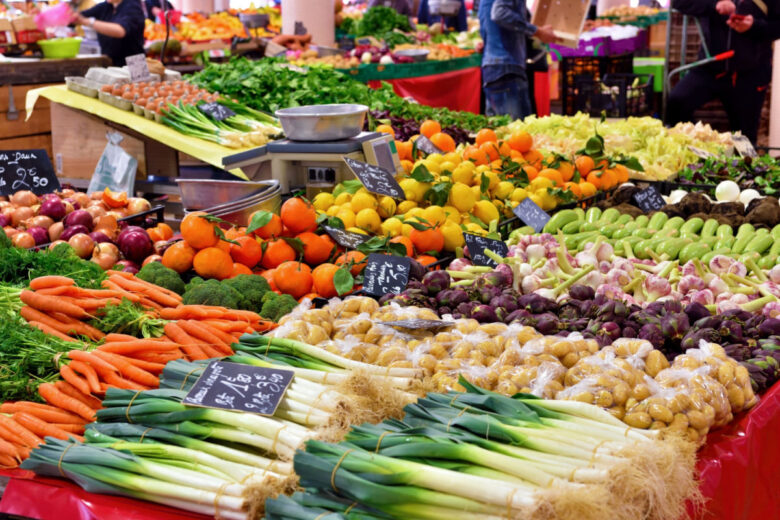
x: 414, y: 212
x: 485, y: 211
x: 435, y: 215
x: 362, y: 189
x: 433, y: 167
x: 453, y: 213
x: 473, y: 227
x: 405, y: 206
x: 392, y: 227
x: 406, y: 230
x: 447, y: 166
x: 386, y: 208
x: 482, y: 168
x: 369, y: 220
x: 503, y: 190
x: 540, y: 183
x: 476, y: 191
x: 411, y: 189
x: 333, y: 210
x: 518, y: 194
x: 422, y: 188
x: 453, y: 157
x: 363, y: 201
x: 462, y: 197
x: 357, y: 230
x: 435, y: 158
x: 463, y: 173
x: 453, y: 236
x: 493, y: 178
x: 548, y: 201
x: 445, y: 178
x: 322, y: 201
x: 537, y: 199
x: 347, y: 216
x: 343, y: 198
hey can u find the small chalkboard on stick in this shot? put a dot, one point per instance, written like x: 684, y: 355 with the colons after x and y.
x: 244, y: 388
x: 344, y: 238
x: 418, y: 324
x: 386, y: 274
x: 27, y: 170
x: 649, y: 200
x: 477, y: 245
x: 743, y: 146
x: 531, y: 214
x: 426, y: 146
x: 216, y: 111
x: 375, y: 178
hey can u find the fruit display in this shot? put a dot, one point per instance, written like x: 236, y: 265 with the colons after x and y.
x: 661, y: 151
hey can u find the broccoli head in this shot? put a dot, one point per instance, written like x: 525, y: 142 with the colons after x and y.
x: 275, y: 306
x: 158, y: 274
x: 212, y: 292
x: 252, y: 288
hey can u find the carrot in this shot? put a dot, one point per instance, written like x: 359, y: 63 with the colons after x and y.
x: 133, y: 278
x: 119, y: 337
x: 120, y: 382
x: 187, y: 343
x: 125, y: 347
x: 46, y: 413
x: 70, y: 428
x: 100, y: 366
x: 48, y: 330
x: 204, y: 333
x: 63, y: 387
x: 89, y: 304
x: 124, y: 294
x: 225, y: 325
x: 146, y: 302
x: 89, y: 374
x: 69, y: 375
x: 65, y: 327
x: 79, y: 327
x: 149, y: 366
x: 52, y: 304
x: 41, y: 428
x: 156, y: 357
x: 45, y: 282
x: 210, y: 351
x: 8, y: 462
x: 9, y: 450
x: 22, y: 434
x: 225, y: 336
x: 128, y: 370
x: 150, y: 291
x: 24, y: 452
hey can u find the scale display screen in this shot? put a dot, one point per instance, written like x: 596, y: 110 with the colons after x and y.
x: 381, y: 152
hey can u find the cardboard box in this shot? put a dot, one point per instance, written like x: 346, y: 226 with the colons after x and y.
x: 26, y: 30
x: 566, y: 17
x: 7, y: 35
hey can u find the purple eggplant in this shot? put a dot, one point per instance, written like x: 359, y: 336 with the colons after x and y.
x: 692, y: 338
x: 484, y: 314
x: 769, y: 327
x: 653, y: 334
x: 548, y: 324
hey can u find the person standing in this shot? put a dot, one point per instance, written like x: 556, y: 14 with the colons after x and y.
x: 747, y: 27
x: 120, y: 28
x: 505, y: 28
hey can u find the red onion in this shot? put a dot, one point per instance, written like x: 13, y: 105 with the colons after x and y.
x: 73, y: 230
x: 79, y: 217
x: 128, y: 266
x: 54, y: 208
x: 135, y: 245
x: 40, y: 235
x: 5, y: 220
x: 99, y: 237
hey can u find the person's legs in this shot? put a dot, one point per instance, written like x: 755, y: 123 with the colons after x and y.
x: 508, y: 96
x: 744, y: 100
x: 694, y: 89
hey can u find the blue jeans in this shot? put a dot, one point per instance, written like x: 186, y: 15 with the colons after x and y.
x: 508, y: 96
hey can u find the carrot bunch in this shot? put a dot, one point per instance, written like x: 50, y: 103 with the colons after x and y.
x: 231, y: 321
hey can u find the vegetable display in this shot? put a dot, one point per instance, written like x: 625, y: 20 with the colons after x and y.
x: 761, y: 173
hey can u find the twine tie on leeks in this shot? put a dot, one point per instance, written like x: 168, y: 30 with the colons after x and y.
x: 379, y: 441
x: 347, y: 510
x: 141, y: 440
x: 449, y: 423
x: 187, y: 376
x: 127, y: 410
x: 217, y: 496
x: 276, y: 438
x: 62, y: 456
x: 335, y: 469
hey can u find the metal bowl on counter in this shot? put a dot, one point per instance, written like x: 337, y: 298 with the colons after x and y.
x: 322, y: 122
x: 198, y: 194
x: 416, y: 55
x: 238, y: 211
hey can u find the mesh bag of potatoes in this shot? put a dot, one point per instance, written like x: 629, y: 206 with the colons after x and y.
x: 568, y: 350
x: 641, y: 355
x: 687, y: 401
x: 540, y: 378
x: 712, y: 358
x: 306, y: 324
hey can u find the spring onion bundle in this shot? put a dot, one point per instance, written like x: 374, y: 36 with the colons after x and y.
x: 237, y: 131
x: 494, y: 456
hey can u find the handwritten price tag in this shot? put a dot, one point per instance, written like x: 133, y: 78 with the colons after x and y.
x: 27, y: 170
x: 376, y: 179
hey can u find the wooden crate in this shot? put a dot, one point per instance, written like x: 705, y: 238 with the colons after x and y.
x: 566, y: 17
x: 39, y: 122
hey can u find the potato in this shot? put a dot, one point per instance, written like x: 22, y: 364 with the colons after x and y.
x: 638, y: 420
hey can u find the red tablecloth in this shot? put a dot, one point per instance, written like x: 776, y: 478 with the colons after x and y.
x: 739, y: 471
x: 456, y: 90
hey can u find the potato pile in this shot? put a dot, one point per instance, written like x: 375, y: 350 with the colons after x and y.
x: 632, y: 380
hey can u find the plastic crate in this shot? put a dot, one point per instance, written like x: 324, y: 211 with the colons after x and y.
x: 616, y: 95
x: 591, y: 68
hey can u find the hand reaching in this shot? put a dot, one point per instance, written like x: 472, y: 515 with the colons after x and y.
x: 741, y: 24
x: 546, y: 34
x: 725, y: 7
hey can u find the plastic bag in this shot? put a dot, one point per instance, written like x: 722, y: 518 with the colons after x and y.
x: 116, y: 168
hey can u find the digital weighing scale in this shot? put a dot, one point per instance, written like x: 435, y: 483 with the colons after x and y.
x: 314, y: 166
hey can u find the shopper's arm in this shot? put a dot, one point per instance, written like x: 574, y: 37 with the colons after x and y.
x: 113, y: 30
x: 510, y: 15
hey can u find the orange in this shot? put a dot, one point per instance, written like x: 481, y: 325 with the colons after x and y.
x: 277, y: 252
x: 197, y: 231
x: 404, y: 149
x: 298, y: 215
x: 622, y: 173
x: 155, y: 234
x: 386, y: 129
x: 212, y: 262
x: 179, y: 257
x: 426, y: 241
x: 486, y: 135
x: 553, y: 175
x: 406, y: 241
x: 610, y: 178
x: 223, y: 245
x: 534, y: 158
x: 584, y: 165
x: 355, y: 260
x: 504, y: 150
x: 595, y: 179
x: 588, y: 189
x: 114, y: 199
x: 293, y: 278
x: 239, y: 268
x: 323, y: 280
x: 249, y: 251
x: 530, y: 171
x: 315, y: 249
x: 443, y: 142
x: 429, y: 128
x: 475, y: 155
x: 517, y: 156
x: 567, y: 170
x: 574, y: 188
x: 521, y: 141
x: 310, y: 296
x: 159, y: 232
x: 426, y: 260
x: 270, y: 230
x: 268, y: 274
x: 490, y: 149
x: 233, y: 233
x: 603, y: 164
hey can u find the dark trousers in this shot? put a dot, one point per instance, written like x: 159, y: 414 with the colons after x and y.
x: 742, y: 95
x: 508, y: 96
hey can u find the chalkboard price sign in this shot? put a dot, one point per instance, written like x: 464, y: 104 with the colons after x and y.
x: 243, y: 388
x: 477, y: 245
x: 386, y: 274
x: 344, y: 238
x: 743, y: 146
x: 27, y: 170
x: 417, y: 324
x: 376, y: 179
x: 531, y: 214
x: 426, y: 146
x: 649, y: 199
x: 215, y: 110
